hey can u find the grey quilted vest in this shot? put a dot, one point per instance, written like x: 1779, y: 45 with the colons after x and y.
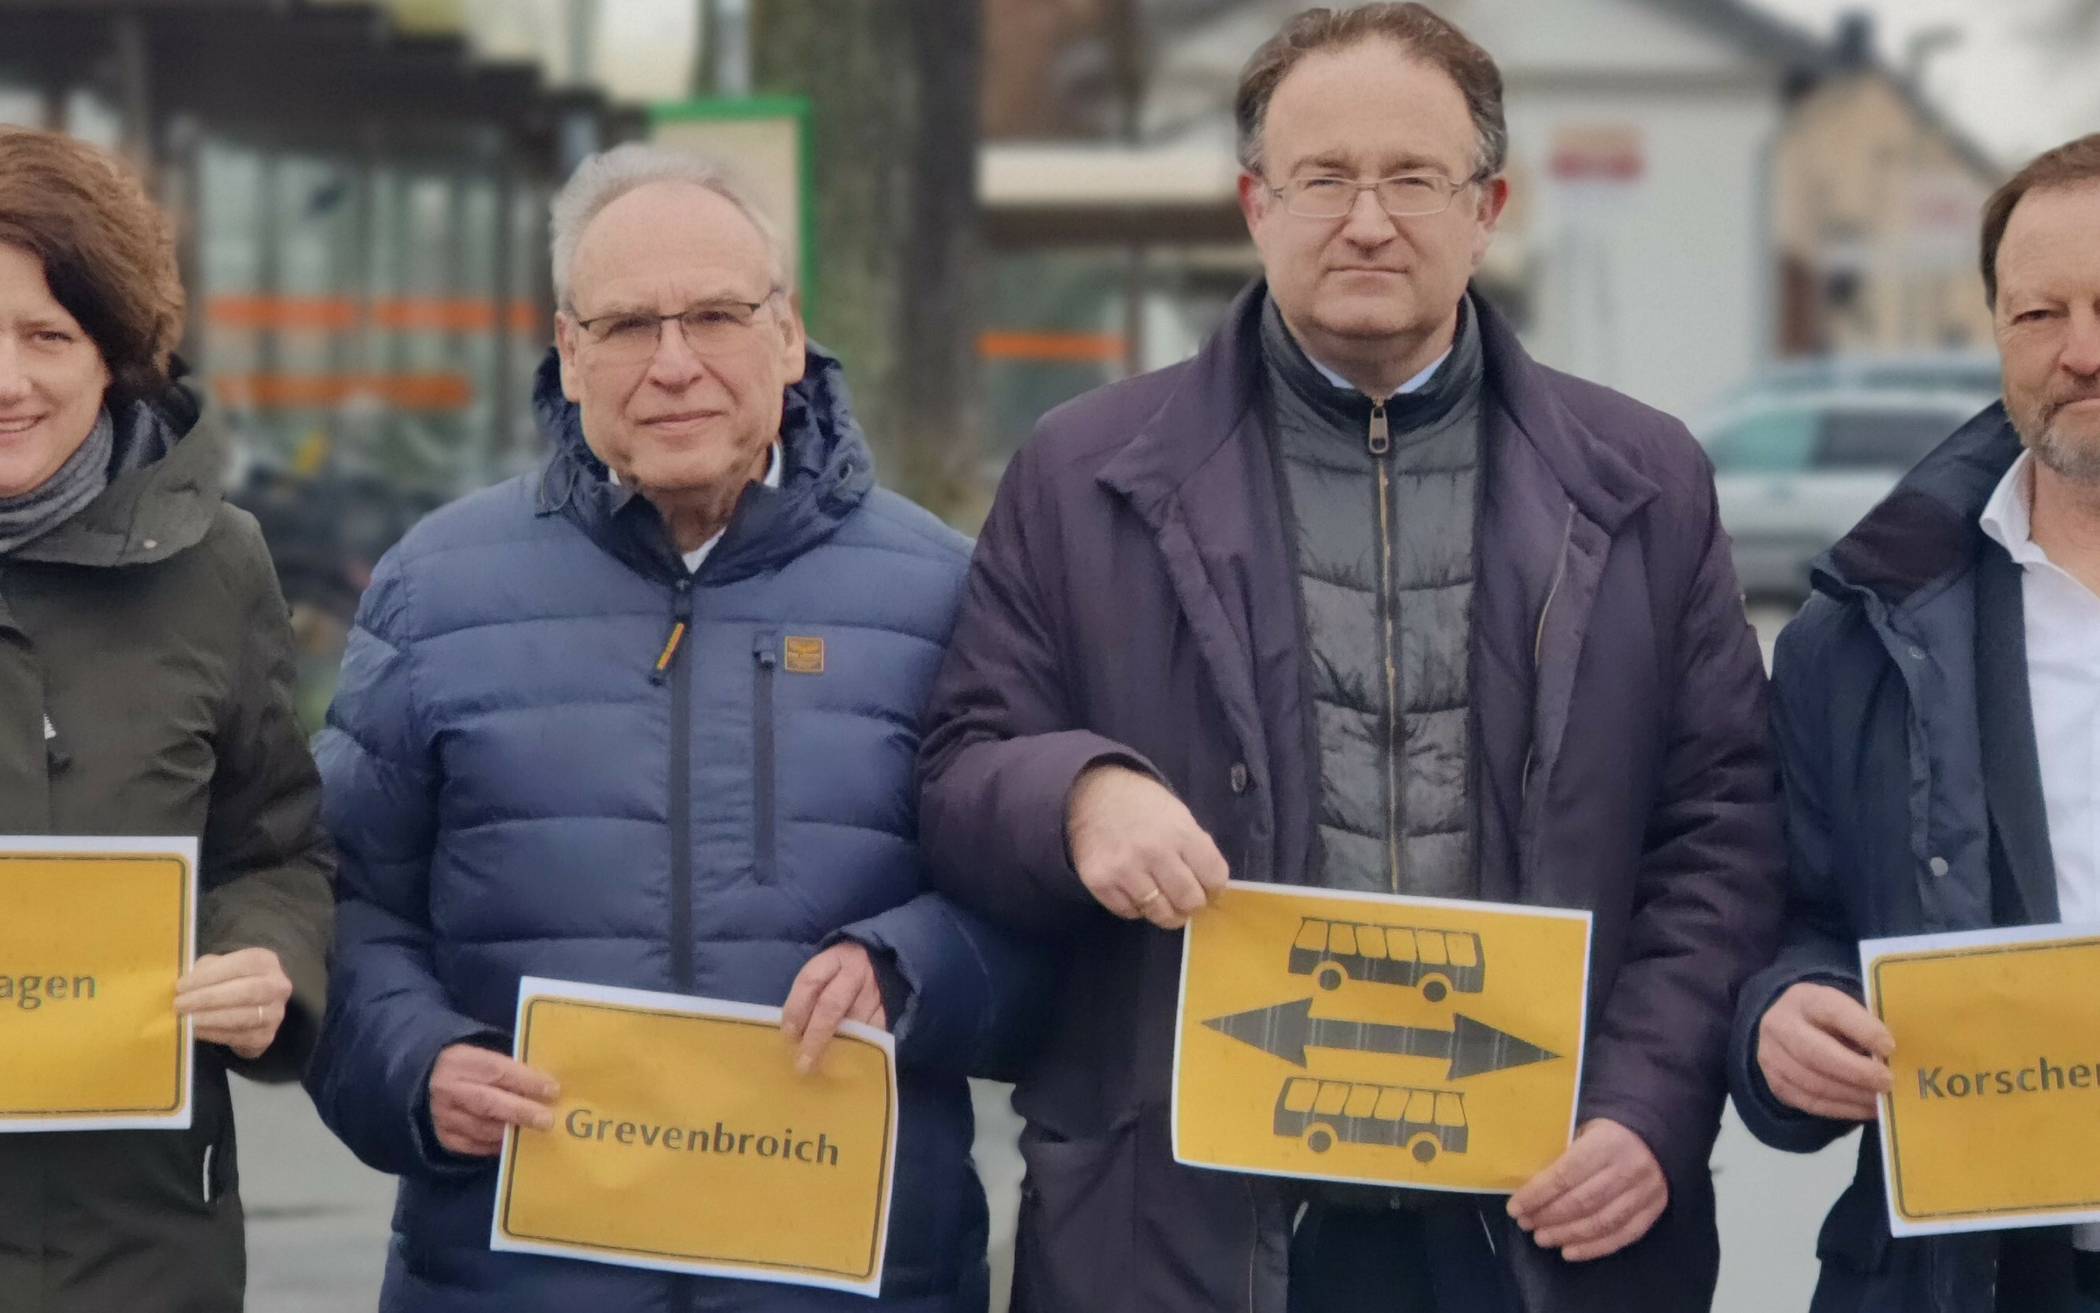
x: 1382, y: 499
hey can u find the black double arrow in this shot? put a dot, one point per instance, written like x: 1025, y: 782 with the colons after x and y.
x: 1472, y: 1047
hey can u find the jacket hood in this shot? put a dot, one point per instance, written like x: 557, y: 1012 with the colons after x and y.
x: 1927, y: 528
x: 167, y: 481
x: 826, y: 471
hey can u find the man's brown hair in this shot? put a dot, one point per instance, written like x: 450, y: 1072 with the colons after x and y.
x: 2069, y: 165
x: 108, y: 251
x: 1417, y: 29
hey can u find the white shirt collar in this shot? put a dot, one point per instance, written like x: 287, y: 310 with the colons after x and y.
x: 699, y: 554
x: 2008, y: 517
x: 1415, y: 384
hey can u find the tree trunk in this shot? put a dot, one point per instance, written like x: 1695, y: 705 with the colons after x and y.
x: 895, y: 91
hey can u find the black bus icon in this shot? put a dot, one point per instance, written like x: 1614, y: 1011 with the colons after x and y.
x: 1436, y: 961
x: 1424, y: 1122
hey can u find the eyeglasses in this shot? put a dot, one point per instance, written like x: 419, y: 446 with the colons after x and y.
x: 708, y: 327
x: 1403, y: 196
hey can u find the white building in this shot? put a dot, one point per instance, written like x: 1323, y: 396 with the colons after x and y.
x: 1638, y: 250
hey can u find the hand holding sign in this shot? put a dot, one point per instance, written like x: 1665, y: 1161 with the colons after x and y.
x: 1138, y: 849
x: 836, y: 985
x: 1597, y: 1198
x: 1824, y: 1054
x: 476, y: 1094
x: 236, y: 999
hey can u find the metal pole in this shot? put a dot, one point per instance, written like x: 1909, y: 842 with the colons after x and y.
x: 583, y: 31
x: 134, y: 77
x: 731, y: 32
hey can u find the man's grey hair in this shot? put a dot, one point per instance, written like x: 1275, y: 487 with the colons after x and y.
x: 607, y: 176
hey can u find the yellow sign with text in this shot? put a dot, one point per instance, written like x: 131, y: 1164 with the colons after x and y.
x: 1382, y: 1040
x: 95, y: 934
x: 1994, y: 1117
x: 685, y: 1140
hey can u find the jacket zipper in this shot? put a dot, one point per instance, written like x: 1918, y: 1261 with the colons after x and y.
x: 678, y: 664
x: 767, y: 660
x: 1380, y: 442
x: 1538, y: 641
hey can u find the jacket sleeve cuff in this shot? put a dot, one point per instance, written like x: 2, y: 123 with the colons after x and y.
x: 1056, y: 767
x: 434, y: 1157
x: 1683, y: 1158
x: 289, y: 1052
x: 1782, y: 1127
x: 934, y: 992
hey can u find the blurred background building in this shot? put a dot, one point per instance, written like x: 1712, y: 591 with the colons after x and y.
x: 1759, y: 214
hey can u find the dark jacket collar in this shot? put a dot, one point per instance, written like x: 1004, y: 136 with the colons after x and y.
x: 1926, y: 531
x: 166, y: 485
x: 826, y: 471
x: 1218, y: 390
x: 1348, y: 410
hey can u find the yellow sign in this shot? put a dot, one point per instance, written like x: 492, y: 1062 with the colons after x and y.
x: 1994, y: 1118
x: 684, y: 1140
x: 1377, y: 1039
x: 94, y: 935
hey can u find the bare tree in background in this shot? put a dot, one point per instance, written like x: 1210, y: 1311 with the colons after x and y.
x: 895, y: 89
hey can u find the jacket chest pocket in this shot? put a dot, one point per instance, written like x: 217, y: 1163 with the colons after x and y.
x: 766, y: 659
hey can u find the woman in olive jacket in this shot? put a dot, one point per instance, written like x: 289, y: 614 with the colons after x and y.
x: 145, y: 668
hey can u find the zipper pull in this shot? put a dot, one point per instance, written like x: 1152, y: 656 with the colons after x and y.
x: 681, y: 622
x: 1380, y: 440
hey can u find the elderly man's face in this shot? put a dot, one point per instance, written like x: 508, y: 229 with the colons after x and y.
x: 675, y: 418
x: 1367, y: 283
x: 2048, y: 327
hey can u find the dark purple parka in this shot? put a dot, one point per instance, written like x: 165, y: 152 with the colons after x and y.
x: 1133, y: 596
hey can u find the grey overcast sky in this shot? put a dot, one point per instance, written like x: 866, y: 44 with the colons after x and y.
x: 2014, y: 85
x: 2012, y: 78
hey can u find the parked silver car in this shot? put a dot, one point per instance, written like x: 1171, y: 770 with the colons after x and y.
x: 1801, y: 455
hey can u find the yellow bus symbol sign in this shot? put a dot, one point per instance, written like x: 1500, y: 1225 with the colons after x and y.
x: 1362, y: 1037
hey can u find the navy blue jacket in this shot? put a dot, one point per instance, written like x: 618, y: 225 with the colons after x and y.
x: 516, y: 790
x: 1906, y: 743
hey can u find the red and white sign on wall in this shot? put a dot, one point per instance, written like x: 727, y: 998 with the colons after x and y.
x: 1593, y: 153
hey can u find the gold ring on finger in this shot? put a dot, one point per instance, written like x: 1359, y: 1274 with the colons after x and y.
x: 1148, y: 897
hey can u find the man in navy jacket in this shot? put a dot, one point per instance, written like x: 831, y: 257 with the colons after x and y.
x: 647, y: 718
x: 1937, y: 711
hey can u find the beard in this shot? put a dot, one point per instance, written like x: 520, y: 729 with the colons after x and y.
x: 2074, y: 455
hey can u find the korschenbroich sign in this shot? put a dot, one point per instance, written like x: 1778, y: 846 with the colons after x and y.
x: 1991, y: 1120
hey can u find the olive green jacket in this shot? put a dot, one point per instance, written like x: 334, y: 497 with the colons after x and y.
x: 145, y: 689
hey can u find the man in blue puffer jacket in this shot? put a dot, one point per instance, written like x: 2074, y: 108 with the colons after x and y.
x: 648, y: 719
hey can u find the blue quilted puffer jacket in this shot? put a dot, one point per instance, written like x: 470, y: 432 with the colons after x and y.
x: 515, y: 789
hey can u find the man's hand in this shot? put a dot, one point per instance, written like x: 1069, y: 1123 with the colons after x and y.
x: 477, y: 1094
x: 1137, y: 849
x: 836, y: 985
x: 1822, y: 1053
x: 236, y: 999
x: 1597, y: 1198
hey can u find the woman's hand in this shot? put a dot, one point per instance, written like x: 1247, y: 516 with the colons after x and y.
x: 236, y: 999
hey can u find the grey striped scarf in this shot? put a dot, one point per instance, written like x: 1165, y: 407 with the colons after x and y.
x: 79, y: 481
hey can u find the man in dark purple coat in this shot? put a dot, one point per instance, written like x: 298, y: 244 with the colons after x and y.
x: 1361, y: 597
